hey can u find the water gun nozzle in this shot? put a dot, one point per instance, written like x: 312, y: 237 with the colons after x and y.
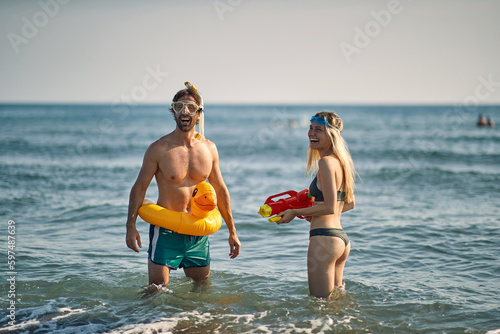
x: 265, y: 211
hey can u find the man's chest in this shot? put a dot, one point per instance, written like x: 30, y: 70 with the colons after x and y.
x: 180, y: 163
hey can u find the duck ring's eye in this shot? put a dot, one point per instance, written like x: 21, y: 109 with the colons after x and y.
x: 195, y: 191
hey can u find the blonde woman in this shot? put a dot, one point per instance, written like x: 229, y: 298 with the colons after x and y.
x: 332, y: 188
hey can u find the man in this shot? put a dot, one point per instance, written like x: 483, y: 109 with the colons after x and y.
x: 179, y: 161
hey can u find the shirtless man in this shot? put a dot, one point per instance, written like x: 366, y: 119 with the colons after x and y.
x: 179, y: 161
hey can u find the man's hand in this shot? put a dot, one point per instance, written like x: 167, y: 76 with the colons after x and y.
x: 133, y: 238
x: 234, y: 246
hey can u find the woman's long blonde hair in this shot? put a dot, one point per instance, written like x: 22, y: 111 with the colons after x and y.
x: 340, y: 150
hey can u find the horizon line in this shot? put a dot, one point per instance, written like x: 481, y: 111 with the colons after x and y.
x: 152, y: 104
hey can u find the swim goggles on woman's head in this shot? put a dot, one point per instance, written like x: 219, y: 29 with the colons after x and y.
x: 188, y: 106
x: 320, y: 120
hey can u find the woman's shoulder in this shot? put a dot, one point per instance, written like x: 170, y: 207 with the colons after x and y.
x: 329, y: 162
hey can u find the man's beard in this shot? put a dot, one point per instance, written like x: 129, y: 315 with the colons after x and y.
x: 185, y: 127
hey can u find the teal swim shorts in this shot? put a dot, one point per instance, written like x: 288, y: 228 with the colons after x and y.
x: 174, y: 250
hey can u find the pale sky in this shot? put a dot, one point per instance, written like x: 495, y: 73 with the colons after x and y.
x: 251, y: 51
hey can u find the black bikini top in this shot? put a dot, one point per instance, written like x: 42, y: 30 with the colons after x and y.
x: 318, y: 194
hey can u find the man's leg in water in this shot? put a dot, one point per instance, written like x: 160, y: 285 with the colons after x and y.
x: 158, y: 274
x: 198, y: 273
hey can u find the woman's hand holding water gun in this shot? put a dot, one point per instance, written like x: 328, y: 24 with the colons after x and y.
x: 286, y: 216
x: 279, y: 206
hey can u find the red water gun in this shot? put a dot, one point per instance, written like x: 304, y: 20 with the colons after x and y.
x: 296, y: 200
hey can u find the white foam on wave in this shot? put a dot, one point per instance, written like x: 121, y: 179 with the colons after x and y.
x: 161, y: 326
x: 184, y: 320
x: 45, y: 316
x: 194, y: 318
x: 154, y: 288
x: 318, y: 325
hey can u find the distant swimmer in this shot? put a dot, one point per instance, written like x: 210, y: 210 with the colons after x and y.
x: 486, y: 122
x: 481, y: 121
x: 489, y: 122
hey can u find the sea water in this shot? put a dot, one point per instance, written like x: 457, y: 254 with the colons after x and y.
x: 425, y: 232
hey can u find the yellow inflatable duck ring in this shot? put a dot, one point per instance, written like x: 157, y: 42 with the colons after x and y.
x: 204, y: 218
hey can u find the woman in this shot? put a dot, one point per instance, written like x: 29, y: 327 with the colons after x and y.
x: 333, y: 189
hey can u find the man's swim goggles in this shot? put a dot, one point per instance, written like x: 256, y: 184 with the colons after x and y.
x: 189, y: 107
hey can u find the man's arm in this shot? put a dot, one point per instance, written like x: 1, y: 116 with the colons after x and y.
x: 137, y: 194
x: 224, y: 202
